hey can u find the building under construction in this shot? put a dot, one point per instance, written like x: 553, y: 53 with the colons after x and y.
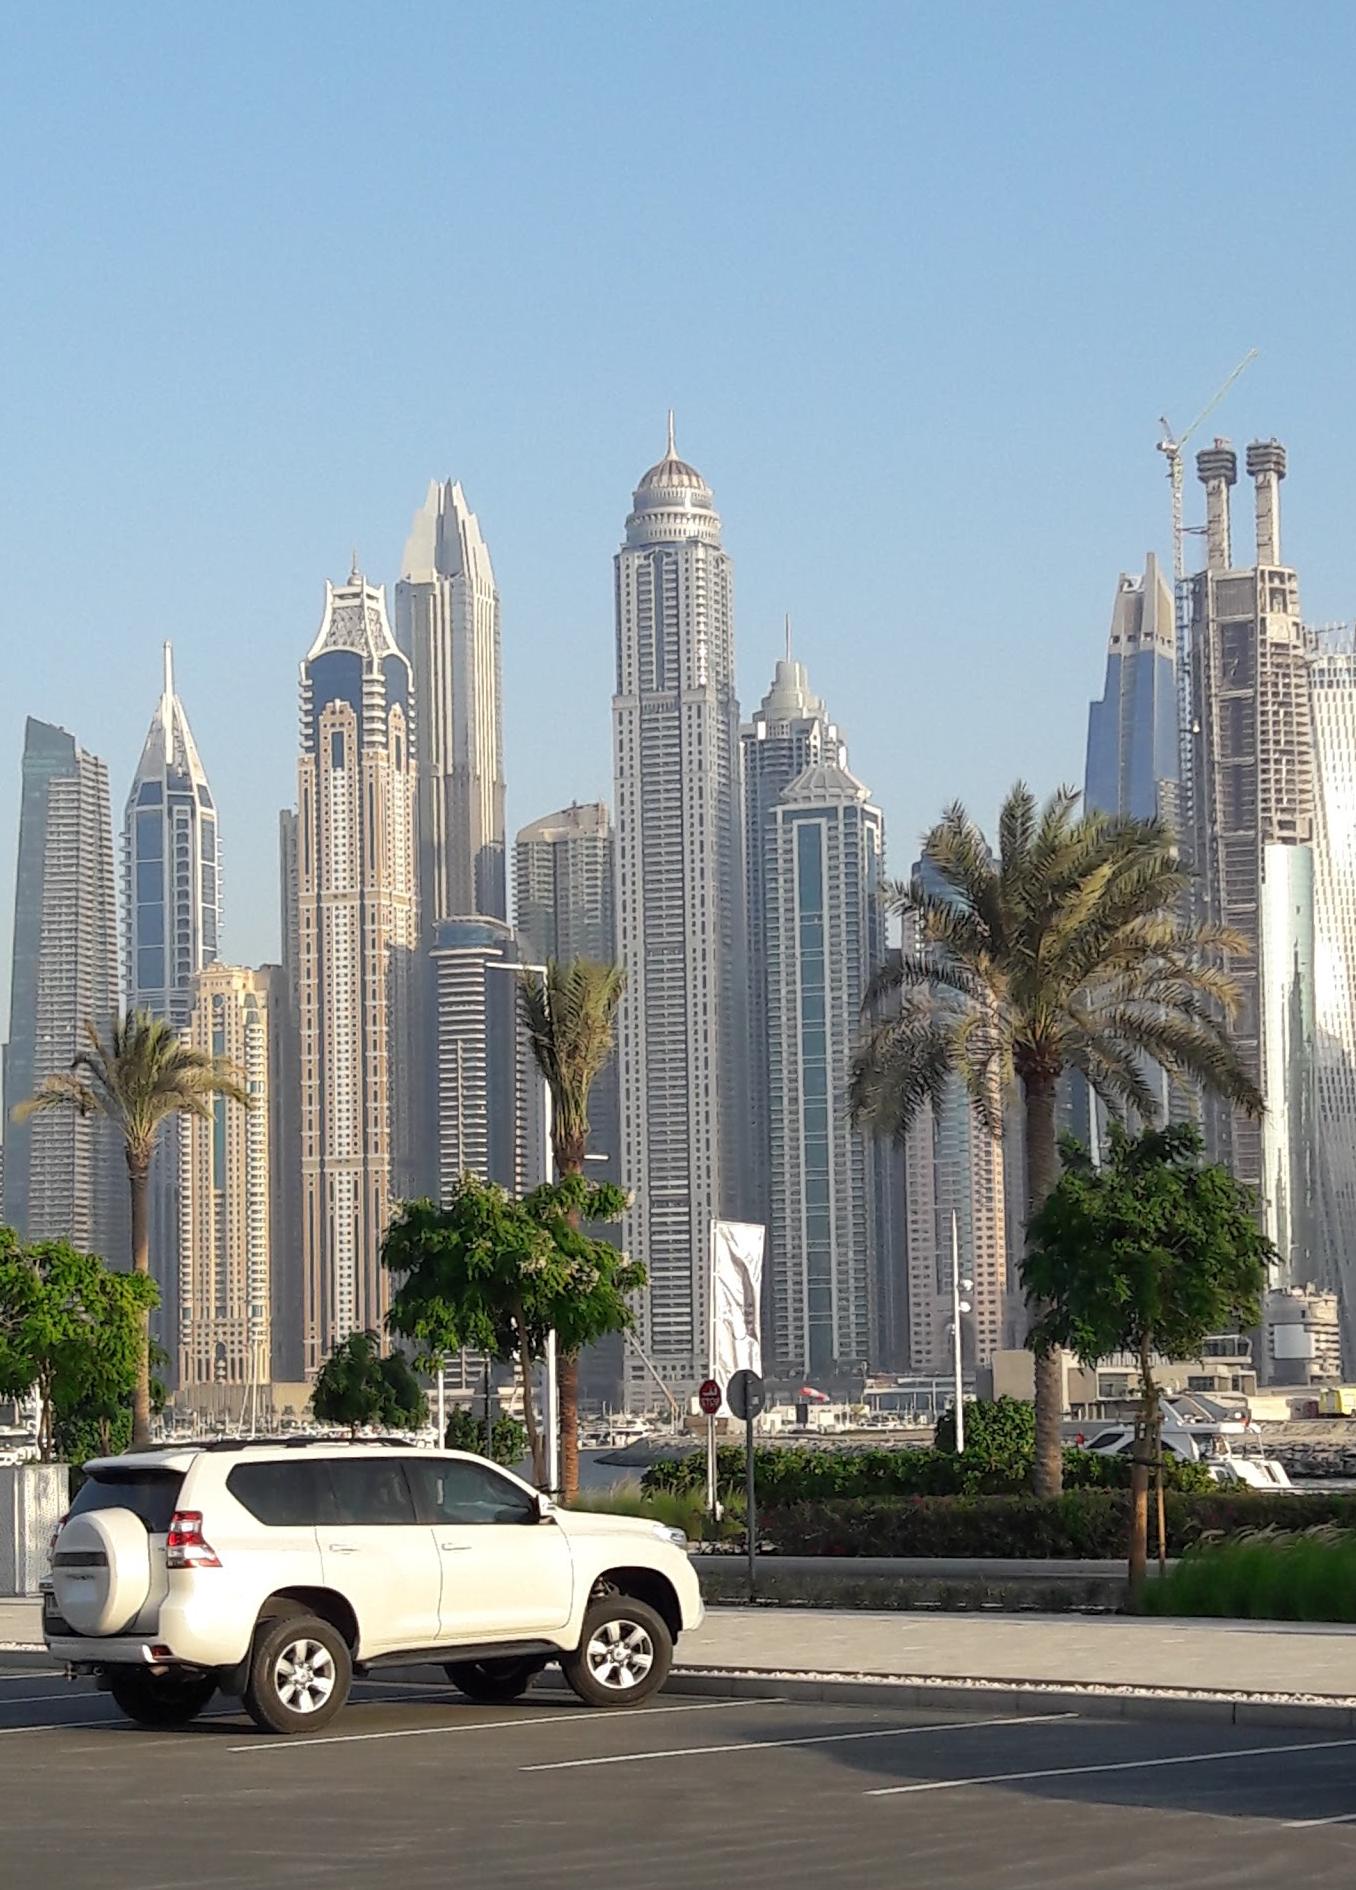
x: 1252, y: 830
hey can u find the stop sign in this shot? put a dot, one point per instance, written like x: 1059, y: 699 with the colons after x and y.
x: 709, y: 1397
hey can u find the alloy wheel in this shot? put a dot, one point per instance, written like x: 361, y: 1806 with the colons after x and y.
x: 304, y: 1676
x: 620, y: 1655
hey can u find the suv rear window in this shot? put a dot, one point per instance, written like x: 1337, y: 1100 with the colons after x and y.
x: 150, y: 1494
x: 283, y: 1495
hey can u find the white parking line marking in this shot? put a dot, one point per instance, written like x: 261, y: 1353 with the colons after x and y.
x: 1113, y: 1765
x: 32, y: 1699
x: 576, y: 1718
x: 60, y: 1725
x: 812, y: 1739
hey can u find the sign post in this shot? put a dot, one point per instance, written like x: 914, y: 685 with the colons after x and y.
x: 747, y: 1395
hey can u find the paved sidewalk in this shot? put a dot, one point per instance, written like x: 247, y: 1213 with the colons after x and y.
x: 1096, y: 1650
x: 1076, y: 1650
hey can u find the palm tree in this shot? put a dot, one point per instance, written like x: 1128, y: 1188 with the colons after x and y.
x: 1069, y: 952
x: 138, y: 1078
x: 570, y: 1018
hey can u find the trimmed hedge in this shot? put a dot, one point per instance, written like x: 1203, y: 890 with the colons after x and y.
x: 795, y: 1474
x: 1091, y: 1525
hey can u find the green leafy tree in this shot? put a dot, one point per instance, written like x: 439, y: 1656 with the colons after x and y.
x: 139, y: 1077
x: 359, y: 1385
x: 999, y: 1433
x: 498, y: 1274
x: 71, y: 1329
x: 570, y: 1018
x: 465, y: 1431
x: 1150, y: 1254
x: 1065, y: 952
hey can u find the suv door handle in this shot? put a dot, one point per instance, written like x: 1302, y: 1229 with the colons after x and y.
x: 455, y: 1548
x: 343, y: 1548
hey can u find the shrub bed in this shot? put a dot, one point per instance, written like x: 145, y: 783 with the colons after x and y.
x: 1082, y: 1524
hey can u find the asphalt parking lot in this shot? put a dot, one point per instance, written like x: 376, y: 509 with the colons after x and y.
x: 409, y: 1787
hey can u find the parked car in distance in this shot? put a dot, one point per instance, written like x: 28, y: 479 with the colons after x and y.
x: 276, y: 1571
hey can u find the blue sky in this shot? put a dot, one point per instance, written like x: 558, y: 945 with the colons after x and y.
x: 918, y: 279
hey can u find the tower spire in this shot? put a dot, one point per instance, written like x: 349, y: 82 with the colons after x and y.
x: 670, y: 451
x: 167, y: 690
x: 355, y: 574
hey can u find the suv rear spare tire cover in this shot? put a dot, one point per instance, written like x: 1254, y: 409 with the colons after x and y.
x: 101, y: 1572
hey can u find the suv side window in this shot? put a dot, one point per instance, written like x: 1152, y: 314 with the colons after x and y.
x: 370, y: 1492
x: 452, y: 1491
x: 283, y: 1495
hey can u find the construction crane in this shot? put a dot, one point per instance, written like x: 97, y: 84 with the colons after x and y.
x: 1171, y: 447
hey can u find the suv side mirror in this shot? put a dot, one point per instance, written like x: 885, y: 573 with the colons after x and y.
x: 546, y: 1507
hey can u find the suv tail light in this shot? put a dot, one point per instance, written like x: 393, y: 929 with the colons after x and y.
x: 185, y: 1546
x: 60, y: 1525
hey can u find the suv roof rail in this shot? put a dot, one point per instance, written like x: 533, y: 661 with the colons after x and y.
x: 289, y: 1442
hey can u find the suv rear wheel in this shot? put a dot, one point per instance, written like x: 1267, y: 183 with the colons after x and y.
x: 623, y: 1656
x: 300, y: 1673
x: 160, y: 1699
x: 493, y: 1682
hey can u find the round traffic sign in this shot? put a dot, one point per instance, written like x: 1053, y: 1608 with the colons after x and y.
x: 746, y: 1394
x: 709, y: 1397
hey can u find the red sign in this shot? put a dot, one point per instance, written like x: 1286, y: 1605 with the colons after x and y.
x: 709, y: 1397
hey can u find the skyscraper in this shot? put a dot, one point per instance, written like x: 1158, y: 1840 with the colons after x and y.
x: 825, y: 934
x: 675, y: 725
x: 64, y: 1176
x: 357, y: 936
x: 171, y: 865
x: 171, y: 921
x: 789, y: 731
x: 479, y: 1057
x: 954, y: 1168
x: 1132, y: 761
x: 1253, y: 805
x: 227, y: 1188
x: 287, y: 1273
x: 1333, y: 675
x: 1133, y: 764
x: 565, y: 902
x: 447, y: 623
x: 564, y: 873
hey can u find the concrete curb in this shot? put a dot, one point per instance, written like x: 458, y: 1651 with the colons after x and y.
x: 1017, y: 1697
x: 25, y: 1659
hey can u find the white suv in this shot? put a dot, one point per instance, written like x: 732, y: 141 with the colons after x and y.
x: 276, y: 1571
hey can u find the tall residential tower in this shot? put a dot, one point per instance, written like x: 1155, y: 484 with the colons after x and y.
x: 825, y: 932
x: 172, y: 925
x: 356, y: 941
x: 1253, y: 805
x: 675, y: 726
x: 64, y: 1176
x: 447, y: 623
x: 787, y: 734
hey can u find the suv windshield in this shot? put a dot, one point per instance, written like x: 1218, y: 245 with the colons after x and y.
x: 149, y: 1494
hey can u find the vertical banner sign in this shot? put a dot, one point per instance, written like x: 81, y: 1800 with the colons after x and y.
x: 734, y: 1311
x: 736, y: 1298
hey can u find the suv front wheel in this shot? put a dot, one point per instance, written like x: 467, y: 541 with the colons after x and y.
x: 623, y: 1656
x: 299, y: 1675
x: 160, y: 1699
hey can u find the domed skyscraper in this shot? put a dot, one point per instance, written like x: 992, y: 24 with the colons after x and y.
x: 680, y: 905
